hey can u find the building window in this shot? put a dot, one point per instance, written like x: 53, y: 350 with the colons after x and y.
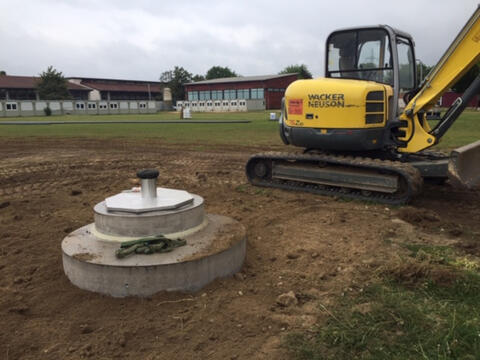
x: 243, y: 94
x: 192, y: 95
x: 102, y: 106
x: 113, y: 106
x: 80, y: 106
x: 229, y: 94
x: 92, y: 105
x: 11, y: 106
x: 142, y: 105
x: 257, y: 93
x: 217, y: 94
x: 204, y: 95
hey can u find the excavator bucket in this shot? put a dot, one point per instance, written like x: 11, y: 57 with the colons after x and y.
x: 464, y: 166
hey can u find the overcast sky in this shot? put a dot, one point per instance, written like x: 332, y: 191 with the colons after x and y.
x: 140, y: 39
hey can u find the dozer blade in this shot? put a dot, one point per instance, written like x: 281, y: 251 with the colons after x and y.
x: 464, y: 166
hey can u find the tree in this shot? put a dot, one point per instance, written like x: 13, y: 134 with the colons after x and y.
x: 301, y: 70
x: 217, y: 72
x: 166, y: 76
x: 3, y: 73
x: 52, y: 85
x: 466, y: 79
x: 198, y: 78
x: 175, y: 79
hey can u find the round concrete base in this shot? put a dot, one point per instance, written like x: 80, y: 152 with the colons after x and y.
x: 215, y: 250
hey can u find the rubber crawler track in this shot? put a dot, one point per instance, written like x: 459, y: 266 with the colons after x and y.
x: 412, y: 179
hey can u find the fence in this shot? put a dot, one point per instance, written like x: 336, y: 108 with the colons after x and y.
x: 12, y: 108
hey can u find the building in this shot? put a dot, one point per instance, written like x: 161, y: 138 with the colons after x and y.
x: 94, y: 89
x: 238, y: 93
x: 24, y: 88
x: 90, y: 96
x: 115, y: 89
x: 449, y: 98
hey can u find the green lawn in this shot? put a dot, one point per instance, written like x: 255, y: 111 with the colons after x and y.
x: 464, y: 131
x: 260, y: 131
x: 424, y: 307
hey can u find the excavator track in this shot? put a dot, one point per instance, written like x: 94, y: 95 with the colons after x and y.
x: 368, y: 179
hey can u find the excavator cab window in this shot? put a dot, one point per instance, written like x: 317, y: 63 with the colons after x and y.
x: 406, y: 64
x: 363, y: 54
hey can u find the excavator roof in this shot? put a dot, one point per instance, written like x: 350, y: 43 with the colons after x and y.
x: 391, y: 30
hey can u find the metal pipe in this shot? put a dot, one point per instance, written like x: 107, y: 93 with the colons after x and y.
x: 149, y: 188
x: 148, y: 179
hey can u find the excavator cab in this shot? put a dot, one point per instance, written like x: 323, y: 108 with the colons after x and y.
x: 381, y: 54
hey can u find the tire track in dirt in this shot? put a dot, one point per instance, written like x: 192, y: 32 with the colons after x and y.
x: 47, y: 178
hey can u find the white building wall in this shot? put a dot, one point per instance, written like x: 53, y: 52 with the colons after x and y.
x: 242, y: 105
x: 26, y: 106
x: 209, y: 105
x: 9, y: 108
x: 94, y: 95
x: 225, y: 105
x: 217, y: 105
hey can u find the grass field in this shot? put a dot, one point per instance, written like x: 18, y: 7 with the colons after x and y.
x: 425, y: 307
x: 260, y: 131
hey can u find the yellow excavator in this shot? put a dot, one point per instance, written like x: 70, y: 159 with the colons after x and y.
x: 358, y: 141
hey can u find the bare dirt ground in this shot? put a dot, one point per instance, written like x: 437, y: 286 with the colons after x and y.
x: 317, y: 247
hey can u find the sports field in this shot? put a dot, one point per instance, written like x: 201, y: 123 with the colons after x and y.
x: 260, y: 131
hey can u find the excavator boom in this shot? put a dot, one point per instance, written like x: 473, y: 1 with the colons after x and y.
x: 460, y: 57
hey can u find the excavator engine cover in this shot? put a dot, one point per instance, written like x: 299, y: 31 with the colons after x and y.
x: 335, y: 114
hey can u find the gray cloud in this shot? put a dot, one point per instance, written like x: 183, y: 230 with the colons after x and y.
x: 141, y: 39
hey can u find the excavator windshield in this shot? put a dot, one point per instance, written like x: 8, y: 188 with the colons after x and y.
x: 363, y: 54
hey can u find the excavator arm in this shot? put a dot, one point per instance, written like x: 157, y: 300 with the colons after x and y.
x: 461, y: 56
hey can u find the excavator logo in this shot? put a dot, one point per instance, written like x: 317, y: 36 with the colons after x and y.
x: 326, y: 100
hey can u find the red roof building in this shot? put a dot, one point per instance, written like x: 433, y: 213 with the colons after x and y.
x: 24, y: 88
x: 270, y: 88
x: 115, y: 89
